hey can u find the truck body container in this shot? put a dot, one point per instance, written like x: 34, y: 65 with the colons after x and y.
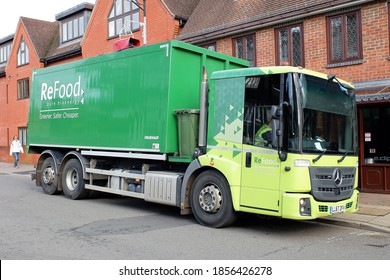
x: 122, y: 101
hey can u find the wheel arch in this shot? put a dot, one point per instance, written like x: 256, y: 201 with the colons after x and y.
x: 57, y: 157
x: 83, y: 160
x: 192, y: 172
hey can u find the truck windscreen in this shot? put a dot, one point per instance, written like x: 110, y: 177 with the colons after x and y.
x: 328, y: 116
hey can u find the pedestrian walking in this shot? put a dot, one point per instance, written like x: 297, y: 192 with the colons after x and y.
x: 15, y: 150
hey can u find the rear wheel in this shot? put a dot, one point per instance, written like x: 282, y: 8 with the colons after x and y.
x: 49, y: 177
x: 73, y: 184
x: 211, y: 200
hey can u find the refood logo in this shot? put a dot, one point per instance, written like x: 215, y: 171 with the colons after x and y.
x: 61, y: 100
x: 265, y: 161
x: 61, y: 90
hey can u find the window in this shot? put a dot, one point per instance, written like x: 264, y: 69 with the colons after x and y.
x: 210, y: 47
x: 244, y: 47
x: 23, y: 53
x: 22, y: 132
x: 344, y: 38
x: 73, y: 28
x: 289, y: 46
x: 124, y: 13
x: 23, y: 89
x: 261, y: 92
x: 5, y: 51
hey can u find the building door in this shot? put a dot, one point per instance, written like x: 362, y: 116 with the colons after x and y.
x: 375, y: 148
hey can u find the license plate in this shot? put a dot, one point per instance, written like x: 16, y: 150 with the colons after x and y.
x: 337, y: 209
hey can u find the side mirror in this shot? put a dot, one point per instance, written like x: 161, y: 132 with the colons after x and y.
x: 277, y: 125
x: 275, y: 133
x: 277, y: 130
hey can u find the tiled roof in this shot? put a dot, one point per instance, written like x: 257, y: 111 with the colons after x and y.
x: 218, y: 17
x: 7, y: 38
x: 45, y: 38
x: 57, y: 50
x: 372, y: 91
x: 368, y: 98
x: 41, y: 34
x: 74, y: 10
x: 181, y: 8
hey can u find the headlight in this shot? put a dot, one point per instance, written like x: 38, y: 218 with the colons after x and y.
x: 304, y: 207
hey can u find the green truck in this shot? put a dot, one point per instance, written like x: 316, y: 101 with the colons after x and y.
x: 176, y: 124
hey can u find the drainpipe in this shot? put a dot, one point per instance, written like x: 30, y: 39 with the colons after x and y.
x: 144, y: 30
x: 143, y: 24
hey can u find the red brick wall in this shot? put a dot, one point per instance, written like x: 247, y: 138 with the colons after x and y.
x: 265, y: 46
x: 95, y: 40
x: 3, y: 120
x: 160, y: 27
x: 16, y: 111
x: 314, y: 30
x: 73, y: 58
x: 375, y: 36
x: 375, y: 43
x: 225, y: 46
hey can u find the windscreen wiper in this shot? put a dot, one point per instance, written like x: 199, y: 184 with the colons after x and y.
x: 330, y: 78
x: 343, y: 157
x: 319, y: 156
x: 343, y: 88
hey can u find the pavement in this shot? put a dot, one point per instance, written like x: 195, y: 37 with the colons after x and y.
x: 373, y: 213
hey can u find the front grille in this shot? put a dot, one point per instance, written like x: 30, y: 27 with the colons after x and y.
x: 324, y: 185
x: 332, y: 189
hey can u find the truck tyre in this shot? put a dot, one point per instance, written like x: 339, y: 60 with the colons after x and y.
x: 73, y: 184
x: 211, y: 200
x: 49, y: 177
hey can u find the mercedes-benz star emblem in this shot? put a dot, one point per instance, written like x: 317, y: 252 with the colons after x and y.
x: 337, y: 178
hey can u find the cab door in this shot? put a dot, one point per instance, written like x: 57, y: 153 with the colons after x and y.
x: 261, y: 166
x: 260, y: 178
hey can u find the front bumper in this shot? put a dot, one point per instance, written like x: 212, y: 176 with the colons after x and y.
x: 291, y: 208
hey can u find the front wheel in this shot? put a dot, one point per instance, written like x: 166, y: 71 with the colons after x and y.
x: 211, y: 200
x: 73, y: 184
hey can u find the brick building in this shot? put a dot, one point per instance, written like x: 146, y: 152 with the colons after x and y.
x: 165, y: 20
x: 346, y: 38
x: 82, y: 31
x: 5, y: 50
x: 36, y: 44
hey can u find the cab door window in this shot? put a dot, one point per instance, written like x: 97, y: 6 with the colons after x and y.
x: 261, y: 92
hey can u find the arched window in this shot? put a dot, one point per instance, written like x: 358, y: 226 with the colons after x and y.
x: 23, y: 53
x: 123, y: 13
